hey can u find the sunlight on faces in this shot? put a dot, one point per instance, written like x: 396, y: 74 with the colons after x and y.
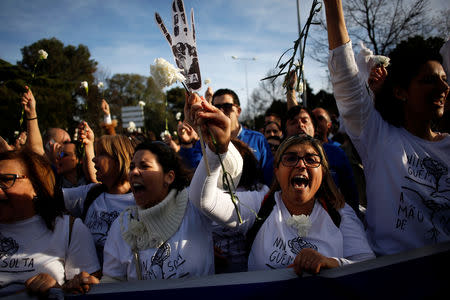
x: 301, y: 123
x: 299, y: 183
x: 16, y: 202
x: 323, y: 121
x: 427, y: 92
x: 66, y: 161
x: 233, y: 114
x: 147, y: 179
x: 107, y: 168
x: 272, y: 130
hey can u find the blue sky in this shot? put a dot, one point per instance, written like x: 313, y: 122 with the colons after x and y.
x: 123, y: 37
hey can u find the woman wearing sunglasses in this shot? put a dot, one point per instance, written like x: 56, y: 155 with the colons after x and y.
x: 304, y: 222
x: 40, y: 247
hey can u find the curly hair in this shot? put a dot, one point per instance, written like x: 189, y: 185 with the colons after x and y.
x: 407, y: 59
x: 46, y: 203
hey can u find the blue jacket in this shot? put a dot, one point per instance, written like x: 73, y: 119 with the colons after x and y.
x: 255, y: 140
x: 342, y: 173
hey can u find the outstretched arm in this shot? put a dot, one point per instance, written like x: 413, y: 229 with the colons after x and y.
x: 291, y: 95
x: 34, y: 139
x: 87, y: 138
x: 337, y: 31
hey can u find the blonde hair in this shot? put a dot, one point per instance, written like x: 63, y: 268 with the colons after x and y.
x: 120, y: 148
x: 327, y: 190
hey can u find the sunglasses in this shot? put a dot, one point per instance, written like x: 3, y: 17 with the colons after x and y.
x: 8, y: 180
x: 291, y: 159
x: 225, y: 107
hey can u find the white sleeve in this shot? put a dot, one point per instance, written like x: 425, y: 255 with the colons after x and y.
x: 112, y: 265
x: 216, y: 203
x: 351, y: 93
x: 355, y: 243
x: 82, y: 255
x: 74, y: 198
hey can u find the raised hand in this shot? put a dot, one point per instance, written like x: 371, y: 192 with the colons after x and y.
x: 86, y: 134
x: 209, y: 94
x: 214, y: 124
x: 105, y: 107
x: 183, y: 44
x: 377, y: 77
x: 29, y: 103
x: 186, y: 134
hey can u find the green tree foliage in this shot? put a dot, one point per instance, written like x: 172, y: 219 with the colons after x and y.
x: 56, y: 87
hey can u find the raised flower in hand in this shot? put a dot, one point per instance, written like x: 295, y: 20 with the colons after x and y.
x: 165, y: 74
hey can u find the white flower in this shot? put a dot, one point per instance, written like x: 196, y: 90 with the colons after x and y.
x: 207, y: 81
x: 380, y: 60
x: 42, y: 54
x: 100, y: 85
x: 164, y: 133
x: 178, y: 116
x: 136, y: 235
x: 84, y: 84
x: 131, y: 126
x: 164, y: 73
x: 141, y: 104
x: 300, y: 87
x: 300, y: 222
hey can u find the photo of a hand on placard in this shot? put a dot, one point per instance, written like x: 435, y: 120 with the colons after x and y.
x: 183, y: 45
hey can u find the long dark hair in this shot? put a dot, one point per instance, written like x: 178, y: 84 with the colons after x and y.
x: 46, y: 203
x: 169, y: 160
x: 327, y: 190
x: 406, y: 61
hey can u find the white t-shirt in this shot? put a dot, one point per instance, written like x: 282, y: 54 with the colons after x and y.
x: 347, y: 243
x: 102, y: 212
x: 29, y: 248
x: 277, y: 244
x: 408, y: 183
x: 188, y: 253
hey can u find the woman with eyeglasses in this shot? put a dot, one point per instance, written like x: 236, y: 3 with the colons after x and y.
x: 163, y: 235
x: 302, y: 222
x: 39, y: 246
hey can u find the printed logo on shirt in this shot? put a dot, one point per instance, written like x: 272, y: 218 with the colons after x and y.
x: 280, y: 257
x: 425, y: 196
x: 99, y: 225
x: 161, y: 266
x: 297, y: 244
x: 8, y: 247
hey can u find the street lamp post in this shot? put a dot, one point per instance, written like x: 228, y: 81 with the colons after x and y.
x: 245, y: 59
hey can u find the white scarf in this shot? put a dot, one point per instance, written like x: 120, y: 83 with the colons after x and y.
x: 155, y: 225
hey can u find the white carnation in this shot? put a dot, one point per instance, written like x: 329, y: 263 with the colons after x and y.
x: 178, y: 116
x: 131, y: 126
x: 300, y: 222
x: 100, y: 85
x: 380, y: 60
x: 84, y: 84
x: 42, y: 54
x: 164, y: 133
x: 141, y: 104
x: 300, y: 87
x: 207, y: 81
x: 165, y: 74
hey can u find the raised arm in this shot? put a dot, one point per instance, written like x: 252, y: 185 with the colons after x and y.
x: 87, y: 138
x: 337, y: 31
x: 34, y: 139
x: 291, y: 95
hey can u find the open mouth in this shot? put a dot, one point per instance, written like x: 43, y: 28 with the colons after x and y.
x: 137, y: 188
x: 300, y: 181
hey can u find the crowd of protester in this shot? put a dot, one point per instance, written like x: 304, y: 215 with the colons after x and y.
x: 297, y: 193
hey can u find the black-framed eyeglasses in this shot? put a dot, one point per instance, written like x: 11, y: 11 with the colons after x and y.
x: 8, y: 180
x: 291, y: 159
x: 225, y: 107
